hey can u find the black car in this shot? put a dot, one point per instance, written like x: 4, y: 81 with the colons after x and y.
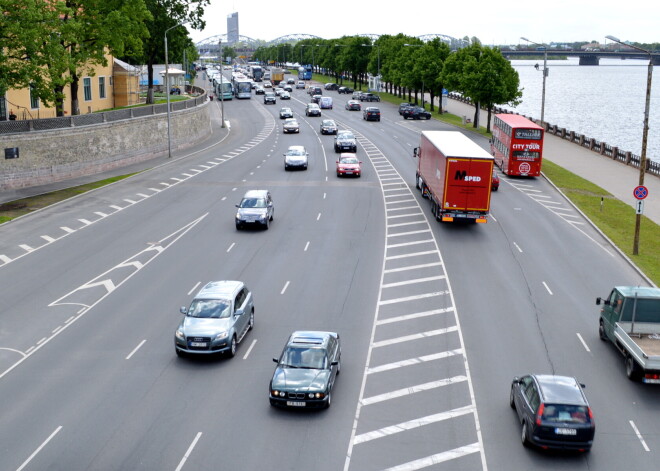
x: 553, y: 411
x: 345, y: 142
x: 331, y: 86
x: 328, y: 126
x: 306, y: 370
x: 416, y: 112
x: 369, y: 97
x: 371, y: 113
x: 270, y: 98
x: 404, y: 106
x: 312, y: 109
x: 346, y: 90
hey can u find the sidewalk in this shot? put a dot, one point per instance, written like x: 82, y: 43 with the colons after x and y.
x: 614, y: 177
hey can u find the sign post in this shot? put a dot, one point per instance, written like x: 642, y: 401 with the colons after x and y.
x: 640, y: 193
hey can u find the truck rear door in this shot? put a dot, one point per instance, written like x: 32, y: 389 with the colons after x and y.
x: 467, y: 185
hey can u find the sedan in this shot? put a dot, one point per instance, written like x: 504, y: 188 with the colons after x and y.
x: 416, y: 112
x: 345, y: 142
x: 270, y: 98
x: 288, y: 88
x: 259, y: 90
x: 553, y: 412
x: 296, y: 157
x: 286, y: 113
x: 348, y: 164
x: 306, y: 370
x: 290, y: 125
x: 284, y: 95
x: 328, y: 126
x: 312, y: 109
x: 345, y: 90
x: 371, y: 114
x: 353, y: 105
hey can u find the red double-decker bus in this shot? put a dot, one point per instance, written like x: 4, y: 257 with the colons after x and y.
x: 517, y: 145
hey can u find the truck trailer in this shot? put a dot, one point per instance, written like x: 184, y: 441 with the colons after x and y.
x: 455, y: 174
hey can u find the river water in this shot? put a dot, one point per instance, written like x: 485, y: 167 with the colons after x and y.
x: 605, y: 102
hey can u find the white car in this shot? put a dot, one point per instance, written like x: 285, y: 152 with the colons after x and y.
x: 284, y: 95
x: 300, y: 84
x: 296, y: 157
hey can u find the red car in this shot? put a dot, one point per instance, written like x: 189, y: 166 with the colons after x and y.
x: 495, y: 182
x: 348, y: 164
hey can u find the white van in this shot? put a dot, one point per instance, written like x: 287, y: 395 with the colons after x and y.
x: 325, y: 103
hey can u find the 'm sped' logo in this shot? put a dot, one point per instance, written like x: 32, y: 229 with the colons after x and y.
x: 462, y: 175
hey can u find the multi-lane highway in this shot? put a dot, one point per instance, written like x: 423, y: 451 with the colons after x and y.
x: 435, y: 319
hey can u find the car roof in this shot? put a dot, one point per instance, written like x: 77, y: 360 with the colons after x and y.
x: 641, y: 291
x: 560, y: 389
x: 256, y: 194
x: 219, y: 289
x: 302, y: 148
x: 311, y: 338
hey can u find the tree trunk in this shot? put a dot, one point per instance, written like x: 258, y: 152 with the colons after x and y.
x: 490, y: 109
x: 59, y: 101
x: 432, y: 97
x: 475, y: 121
x: 150, y: 89
x: 74, y: 88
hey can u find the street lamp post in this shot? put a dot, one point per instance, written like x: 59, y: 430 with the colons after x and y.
x: 167, y: 91
x: 545, y: 74
x: 222, y: 92
x: 645, y: 135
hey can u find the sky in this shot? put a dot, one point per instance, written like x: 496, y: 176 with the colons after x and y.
x: 493, y: 22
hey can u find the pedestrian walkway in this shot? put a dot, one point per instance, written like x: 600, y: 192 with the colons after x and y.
x: 612, y: 176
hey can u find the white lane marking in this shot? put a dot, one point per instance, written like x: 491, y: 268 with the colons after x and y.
x: 413, y: 298
x: 115, y: 207
x: 416, y: 315
x: 133, y: 202
x: 231, y: 247
x: 408, y: 338
x: 415, y: 281
x: 412, y: 223
x: 4, y: 259
x: 56, y: 329
x: 412, y: 390
x: 306, y: 247
x: 413, y: 267
x: 413, y: 361
x: 318, y: 217
x: 402, y: 208
x: 547, y: 288
x: 249, y: 349
x: 194, y: 288
x: 493, y: 218
x: 324, y: 195
x: 67, y: 229
x: 584, y: 344
x: 639, y: 435
x: 404, y: 215
x: 27, y: 461
x: 406, y: 244
x: 437, y: 458
x: 412, y: 424
x: 26, y: 247
x: 48, y: 239
x: 189, y: 451
x: 286, y: 285
x: 99, y: 213
x: 42, y: 340
x: 135, y: 349
x: 413, y: 254
x: 401, y: 234
x: 518, y: 247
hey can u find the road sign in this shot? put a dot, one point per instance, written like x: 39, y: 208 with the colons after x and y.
x: 640, y: 192
x: 639, y: 207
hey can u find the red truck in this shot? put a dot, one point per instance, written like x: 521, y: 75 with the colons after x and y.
x: 455, y: 174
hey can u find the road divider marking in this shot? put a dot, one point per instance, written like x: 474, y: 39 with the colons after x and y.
x: 413, y: 282
x: 547, y: 288
x: 405, y: 215
x: 413, y: 298
x: 518, y: 247
x: 416, y: 315
x: 584, y: 344
x: 189, y: 451
x: 306, y: 247
x: 414, y: 254
x: 639, y: 435
x: 48, y: 239
x: 412, y: 390
x: 4, y: 259
x: 249, y: 349
x: 411, y: 337
x: 26, y: 247
x: 403, y: 234
x: 407, y: 244
x: 437, y: 458
x: 135, y: 349
x: 286, y: 285
x: 231, y: 247
x: 27, y: 461
x: 194, y: 287
x: 413, y: 361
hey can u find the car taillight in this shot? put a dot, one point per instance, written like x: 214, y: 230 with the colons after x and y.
x: 591, y: 415
x: 539, y: 414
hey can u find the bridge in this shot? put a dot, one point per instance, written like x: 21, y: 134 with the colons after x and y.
x: 586, y: 57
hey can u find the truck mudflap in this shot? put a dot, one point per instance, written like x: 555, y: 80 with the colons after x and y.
x: 449, y: 216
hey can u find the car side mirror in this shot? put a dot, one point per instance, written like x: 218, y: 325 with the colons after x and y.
x: 598, y: 300
x: 183, y: 310
x: 334, y: 363
x: 276, y: 360
x: 239, y: 312
x: 415, y: 151
x: 237, y: 206
x: 583, y: 385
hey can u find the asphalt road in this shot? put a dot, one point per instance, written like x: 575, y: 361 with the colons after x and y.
x: 435, y: 319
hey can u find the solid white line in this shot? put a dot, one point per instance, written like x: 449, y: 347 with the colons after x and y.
x: 437, y: 458
x: 405, y: 244
x: 415, y: 281
x: 390, y: 203
x: 402, y: 208
x: 423, y: 221
x: 412, y: 390
x: 194, y: 288
x: 416, y: 315
x: 413, y: 267
x: 414, y: 254
x: 135, y: 349
x: 412, y: 298
x: 413, y: 361
x: 412, y: 424
x: 408, y: 338
x: 190, y: 449
x: 249, y: 349
x: 56, y: 329
x: 400, y: 234
x: 231, y: 247
x: 639, y: 435
x: 286, y: 285
x: 547, y: 287
x: 584, y: 344
x: 26, y: 462
x: 404, y: 215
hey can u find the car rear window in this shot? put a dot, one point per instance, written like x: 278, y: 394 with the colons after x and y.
x: 562, y: 413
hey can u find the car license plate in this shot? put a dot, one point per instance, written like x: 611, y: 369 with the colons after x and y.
x: 198, y: 344
x: 651, y: 381
x: 348, y: 173
x: 565, y: 431
x: 295, y: 403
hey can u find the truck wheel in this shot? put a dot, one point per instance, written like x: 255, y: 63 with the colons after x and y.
x: 601, y: 331
x: 417, y: 182
x: 632, y: 369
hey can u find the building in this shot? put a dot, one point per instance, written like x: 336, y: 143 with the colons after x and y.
x: 232, y: 28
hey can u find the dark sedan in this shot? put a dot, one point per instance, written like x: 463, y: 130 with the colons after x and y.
x: 416, y: 112
x: 328, y: 126
x: 371, y: 113
x: 306, y: 370
x: 345, y: 142
x: 345, y: 90
x: 353, y: 105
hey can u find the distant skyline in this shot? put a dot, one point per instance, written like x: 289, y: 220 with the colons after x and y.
x: 493, y: 22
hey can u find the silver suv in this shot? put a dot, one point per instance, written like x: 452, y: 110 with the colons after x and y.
x: 256, y: 208
x: 217, y: 320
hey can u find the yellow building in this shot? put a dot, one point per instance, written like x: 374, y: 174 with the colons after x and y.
x: 113, y: 85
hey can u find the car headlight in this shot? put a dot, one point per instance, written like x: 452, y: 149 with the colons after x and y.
x: 277, y: 393
x: 179, y: 334
x: 238, y: 215
x: 221, y: 335
x: 318, y: 395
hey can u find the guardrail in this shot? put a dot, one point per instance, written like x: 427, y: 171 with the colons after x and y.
x: 602, y: 148
x: 47, y: 124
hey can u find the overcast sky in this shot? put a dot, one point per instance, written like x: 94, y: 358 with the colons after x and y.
x: 493, y: 22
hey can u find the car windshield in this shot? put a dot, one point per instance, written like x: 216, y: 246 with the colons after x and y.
x: 295, y: 152
x: 345, y: 136
x: 563, y: 413
x: 348, y: 160
x: 327, y: 122
x: 209, y: 308
x: 291, y: 122
x: 253, y: 203
x: 302, y: 357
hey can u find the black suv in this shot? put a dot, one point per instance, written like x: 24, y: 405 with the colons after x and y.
x: 416, y: 112
x: 331, y: 86
x: 345, y: 142
x: 371, y: 113
x: 553, y: 411
x: 346, y: 90
x: 369, y: 97
x: 306, y: 370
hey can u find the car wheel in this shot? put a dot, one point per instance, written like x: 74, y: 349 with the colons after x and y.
x: 179, y: 353
x: 405, y: 117
x: 632, y: 369
x: 339, y: 366
x: 267, y: 224
x: 601, y: 331
x: 428, y: 117
x: 512, y: 401
x: 232, y: 348
x: 238, y: 227
x: 251, y: 322
x: 523, y: 434
x: 338, y: 174
x: 329, y: 401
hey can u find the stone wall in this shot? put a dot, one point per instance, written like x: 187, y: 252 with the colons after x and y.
x: 49, y: 156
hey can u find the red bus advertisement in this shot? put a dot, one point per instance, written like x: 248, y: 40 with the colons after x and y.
x: 517, y: 145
